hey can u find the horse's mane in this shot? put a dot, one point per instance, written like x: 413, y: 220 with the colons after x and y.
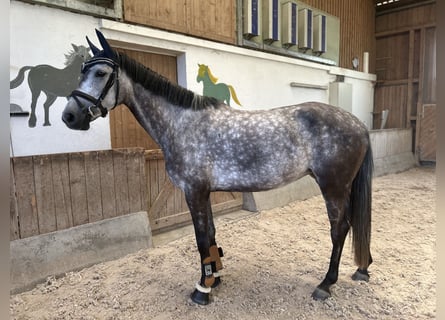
x: 211, y: 76
x: 161, y: 86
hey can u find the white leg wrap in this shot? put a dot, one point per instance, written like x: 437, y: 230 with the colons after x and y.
x: 202, y: 289
x: 216, y: 274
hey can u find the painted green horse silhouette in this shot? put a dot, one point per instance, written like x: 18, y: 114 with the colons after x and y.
x: 219, y: 91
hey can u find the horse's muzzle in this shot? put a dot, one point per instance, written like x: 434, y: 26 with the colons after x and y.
x: 76, y: 122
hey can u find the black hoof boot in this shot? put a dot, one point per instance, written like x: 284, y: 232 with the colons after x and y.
x: 360, y: 275
x: 199, y: 297
x: 320, y: 294
x: 217, y: 282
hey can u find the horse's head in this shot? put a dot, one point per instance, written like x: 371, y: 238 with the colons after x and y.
x: 204, y: 72
x: 98, y: 88
x: 201, y: 72
x: 78, y: 55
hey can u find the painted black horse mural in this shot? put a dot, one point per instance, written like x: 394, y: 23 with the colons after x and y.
x: 52, y: 81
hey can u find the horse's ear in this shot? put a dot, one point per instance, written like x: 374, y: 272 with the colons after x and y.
x: 93, y: 48
x: 107, y: 48
x: 76, y: 48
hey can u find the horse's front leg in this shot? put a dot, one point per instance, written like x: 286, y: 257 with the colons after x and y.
x: 215, y: 252
x: 199, y: 205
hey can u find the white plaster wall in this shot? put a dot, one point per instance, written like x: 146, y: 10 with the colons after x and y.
x: 362, y: 93
x: 261, y: 80
x: 41, y: 35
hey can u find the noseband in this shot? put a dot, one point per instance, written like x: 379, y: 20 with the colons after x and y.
x: 97, y: 109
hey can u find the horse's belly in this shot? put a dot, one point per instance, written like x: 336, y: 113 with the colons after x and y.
x: 258, y: 178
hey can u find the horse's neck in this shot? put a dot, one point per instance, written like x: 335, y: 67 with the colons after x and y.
x: 153, y: 113
x: 207, y: 81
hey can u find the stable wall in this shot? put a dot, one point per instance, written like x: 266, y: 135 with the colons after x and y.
x: 261, y: 80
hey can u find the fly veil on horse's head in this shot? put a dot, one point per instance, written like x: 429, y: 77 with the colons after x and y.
x: 91, y: 101
x: 107, y: 51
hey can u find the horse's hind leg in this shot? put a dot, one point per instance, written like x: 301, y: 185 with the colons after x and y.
x: 32, y: 117
x: 337, y: 207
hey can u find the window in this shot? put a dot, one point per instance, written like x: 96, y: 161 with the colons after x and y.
x: 102, y: 8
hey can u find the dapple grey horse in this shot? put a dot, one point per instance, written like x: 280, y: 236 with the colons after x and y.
x: 209, y: 146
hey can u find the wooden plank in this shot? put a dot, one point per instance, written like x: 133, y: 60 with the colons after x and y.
x: 429, y: 87
x: 215, y: 19
x: 107, y: 188
x: 14, y: 231
x: 179, y: 201
x: 420, y: 90
x: 152, y: 181
x: 93, y: 185
x: 164, y: 14
x: 44, y: 194
x: 121, y: 182
x: 62, y: 191
x: 134, y: 179
x: 418, y: 16
x: 170, y: 207
x: 398, y: 31
x: 155, y: 154
x: 168, y: 222
x: 162, y: 180
x: 77, y: 178
x: 26, y: 199
x: 159, y: 203
x: 410, y: 78
x: 143, y: 182
x: 427, y: 136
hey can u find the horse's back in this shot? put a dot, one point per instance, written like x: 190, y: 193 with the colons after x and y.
x: 339, y: 141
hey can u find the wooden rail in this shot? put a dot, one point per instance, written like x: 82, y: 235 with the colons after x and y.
x: 59, y: 191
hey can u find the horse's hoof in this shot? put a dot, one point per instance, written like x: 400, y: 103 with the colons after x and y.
x: 217, y: 282
x: 320, y: 294
x: 360, y: 275
x: 200, y: 297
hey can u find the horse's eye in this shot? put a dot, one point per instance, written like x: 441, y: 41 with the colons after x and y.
x: 100, y: 73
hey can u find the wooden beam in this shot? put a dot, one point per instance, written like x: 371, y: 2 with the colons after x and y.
x: 397, y: 31
x: 420, y: 91
x: 409, y: 100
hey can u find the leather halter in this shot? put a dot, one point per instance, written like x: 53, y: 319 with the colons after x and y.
x: 97, y: 109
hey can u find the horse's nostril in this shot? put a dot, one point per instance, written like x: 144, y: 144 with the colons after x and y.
x: 68, y: 117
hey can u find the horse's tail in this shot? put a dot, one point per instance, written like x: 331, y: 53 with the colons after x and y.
x: 360, y: 206
x: 20, y: 77
x: 233, y: 93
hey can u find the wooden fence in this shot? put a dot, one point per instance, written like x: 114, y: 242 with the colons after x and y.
x: 59, y: 191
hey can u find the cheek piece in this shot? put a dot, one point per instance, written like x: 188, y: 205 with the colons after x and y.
x: 96, y: 109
